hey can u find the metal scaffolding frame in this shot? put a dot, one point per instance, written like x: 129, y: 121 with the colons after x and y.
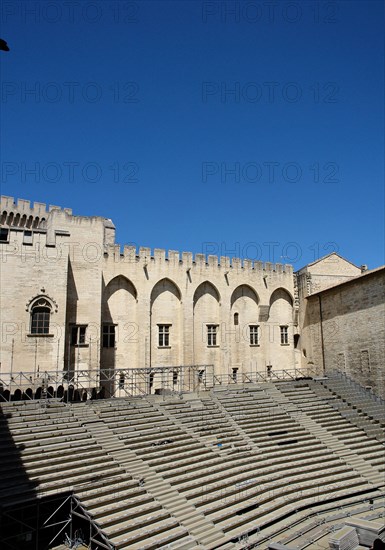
x: 81, y: 385
x: 105, y: 383
x: 18, y: 526
x: 31, y: 533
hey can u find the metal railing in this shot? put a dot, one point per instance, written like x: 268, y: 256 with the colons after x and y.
x: 81, y: 385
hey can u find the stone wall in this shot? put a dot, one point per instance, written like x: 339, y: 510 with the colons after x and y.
x: 352, y: 318
x: 89, y: 281
x: 114, y: 307
x: 314, y: 277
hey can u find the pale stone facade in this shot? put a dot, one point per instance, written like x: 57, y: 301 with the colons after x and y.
x: 114, y: 309
x: 73, y: 301
x: 315, y: 277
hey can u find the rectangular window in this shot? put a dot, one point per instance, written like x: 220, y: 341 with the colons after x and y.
x: 254, y: 335
x: 212, y: 331
x: 4, y: 235
x: 341, y: 362
x: 121, y: 382
x: 164, y: 336
x: 365, y: 362
x: 108, y: 336
x: 27, y: 237
x: 234, y: 374
x: 78, y: 335
x: 40, y: 320
x: 284, y: 334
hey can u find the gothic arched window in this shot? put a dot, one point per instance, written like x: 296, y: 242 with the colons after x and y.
x: 40, y: 316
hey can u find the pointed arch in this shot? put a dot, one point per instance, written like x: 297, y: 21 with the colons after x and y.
x: 165, y: 285
x: 120, y: 282
x: 281, y: 293
x: 40, y: 317
x: 244, y: 291
x: 119, y: 320
x: 281, y: 307
x: 206, y: 288
x: 166, y: 332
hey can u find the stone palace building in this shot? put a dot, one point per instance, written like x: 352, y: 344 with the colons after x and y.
x: 73, y: 301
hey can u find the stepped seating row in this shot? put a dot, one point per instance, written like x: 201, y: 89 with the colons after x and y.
x: 161, y: 445
x: 216, y: 488
x: 205, y: 419
x: 24, y: 411
x: 253, y: 415
x: 69, y: 457
x: 237, y: 486
x: 128, y: 515
x: 355, y: 438
x: 359, y: 398
x: 213, y: 487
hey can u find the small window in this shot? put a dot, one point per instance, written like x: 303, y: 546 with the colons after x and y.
x: 175, y: 377
x: 151, y: 380
x: 254, y: 335
x: 40, y: 316
x: 27, y: 237
x: 365, y: 362
x: 236, y: 318
x: 108, y: 336
x: 212, y: 331
x: 78, y: 335
x: 4, y: 235
x: 296, y: 342
x: 164, y: 336
x: 341, y: 362
x: 121, y: 382
x: 284, y: 335
x: 200, y: 375
x: 234, y: 374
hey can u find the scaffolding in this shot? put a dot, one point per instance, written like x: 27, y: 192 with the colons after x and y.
x: 45, y: 521
x: 82, y: 385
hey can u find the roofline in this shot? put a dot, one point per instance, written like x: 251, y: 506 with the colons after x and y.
x: 351, y: 280
x: 324, y: 258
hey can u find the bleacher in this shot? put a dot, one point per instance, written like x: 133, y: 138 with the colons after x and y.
x: 238, y: 465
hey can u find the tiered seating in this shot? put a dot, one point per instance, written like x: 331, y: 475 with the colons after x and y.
x: 151, y: 435
x: 49, y: 438
x: 356, y: 396
x: 244, y: 488
x: 206, y: 419
x: 339, y: 419
x: 59, y: 454
x: 231, y: 461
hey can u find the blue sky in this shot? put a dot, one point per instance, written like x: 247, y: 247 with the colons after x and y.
x: 242, y: 128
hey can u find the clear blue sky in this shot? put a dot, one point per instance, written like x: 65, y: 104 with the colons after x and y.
x: 220, y: 127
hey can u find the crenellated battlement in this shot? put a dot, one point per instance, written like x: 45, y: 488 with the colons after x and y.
x: 187, y: 260
x: 26, y: 215
x: 37, y: 216
x: 23, y: 206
